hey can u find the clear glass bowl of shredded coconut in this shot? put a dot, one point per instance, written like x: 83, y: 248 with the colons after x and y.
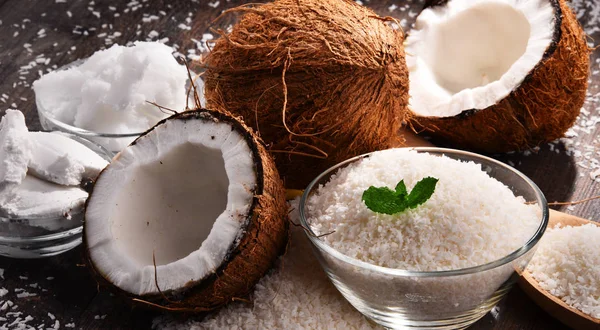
x: 443, y: 264
x: 114, y: 95
x: 38, y: 235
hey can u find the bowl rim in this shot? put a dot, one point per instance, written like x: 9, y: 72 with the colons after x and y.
x: 533, y: 240
x: 51, y: 236
x: 76, y: 130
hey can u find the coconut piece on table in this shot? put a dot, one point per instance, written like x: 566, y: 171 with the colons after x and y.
x: 496, y: 75
x: 59, y: 159
x: 320, y: 80
x: 187, y: 217
x: 15, y: 150
x: 35, y: 198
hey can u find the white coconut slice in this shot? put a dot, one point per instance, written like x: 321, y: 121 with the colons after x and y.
x: 468, y: 54
x: 15, y: 150
x: 496, y: 75
x: 38, y: 199
x: 62, y: 160
x: 195, y: 201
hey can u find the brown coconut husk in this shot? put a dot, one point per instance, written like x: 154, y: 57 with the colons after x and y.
x: 540, y: 110
x: 319, y: 80
x: 265, y: 236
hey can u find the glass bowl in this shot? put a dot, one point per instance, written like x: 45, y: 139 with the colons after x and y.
x: 113, y: 142
x: 452, y: 299
x: 38, y: 237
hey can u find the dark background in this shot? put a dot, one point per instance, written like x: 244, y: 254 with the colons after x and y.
x: 54, y: 33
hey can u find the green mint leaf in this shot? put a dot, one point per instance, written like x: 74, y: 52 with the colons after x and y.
x: 401, y: 188
x: 421, y: 192
x: 384, y: 200
x: 387, y: 201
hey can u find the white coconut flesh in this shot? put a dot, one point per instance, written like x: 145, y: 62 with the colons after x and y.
x: 181, y: 193
x: 59, y: 159
x: 470, y: 54
x: 37, y: 200
x: 14, y: 150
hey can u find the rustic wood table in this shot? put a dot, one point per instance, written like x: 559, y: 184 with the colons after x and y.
x: 50, y: 34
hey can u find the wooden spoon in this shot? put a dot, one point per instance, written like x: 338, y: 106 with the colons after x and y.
x: 549, y: 303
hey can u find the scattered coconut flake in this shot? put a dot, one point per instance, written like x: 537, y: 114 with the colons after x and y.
x: 25, y: 294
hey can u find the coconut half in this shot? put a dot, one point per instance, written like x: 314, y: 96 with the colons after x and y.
x: 496, y: 75
x: 189, y: 216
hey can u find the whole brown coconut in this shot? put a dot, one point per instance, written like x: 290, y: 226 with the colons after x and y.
x: 263, y: 228
x: 541, y: 109
x: 319, y: 80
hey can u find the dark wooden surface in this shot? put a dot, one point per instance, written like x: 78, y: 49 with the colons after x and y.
x: 75, y: 29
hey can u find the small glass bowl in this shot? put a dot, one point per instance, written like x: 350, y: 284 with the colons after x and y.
x: 29, y: 238
x: 113, y: 142
x: 453, y: 299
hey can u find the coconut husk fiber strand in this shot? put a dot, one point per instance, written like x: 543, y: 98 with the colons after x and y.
x: 540, y: 110
x: 319, y: 80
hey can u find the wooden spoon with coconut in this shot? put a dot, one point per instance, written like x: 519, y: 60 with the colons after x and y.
x: 554, y: 306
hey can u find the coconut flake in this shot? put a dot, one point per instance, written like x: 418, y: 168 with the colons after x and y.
x: 60, y: 159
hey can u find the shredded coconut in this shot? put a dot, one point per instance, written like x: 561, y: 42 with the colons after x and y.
x: 566, y: 265
x: 471, y: 218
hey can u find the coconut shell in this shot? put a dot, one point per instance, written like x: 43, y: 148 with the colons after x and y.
x: 264, y: 239
x: 319, y: 80
x: 541, y: 109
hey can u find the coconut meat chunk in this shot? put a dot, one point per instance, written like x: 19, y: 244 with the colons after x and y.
x: 15, y: 151
x: 36, y: 199
x: 60, y: 159
x: 180, y: 195
x: 470, y: 54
